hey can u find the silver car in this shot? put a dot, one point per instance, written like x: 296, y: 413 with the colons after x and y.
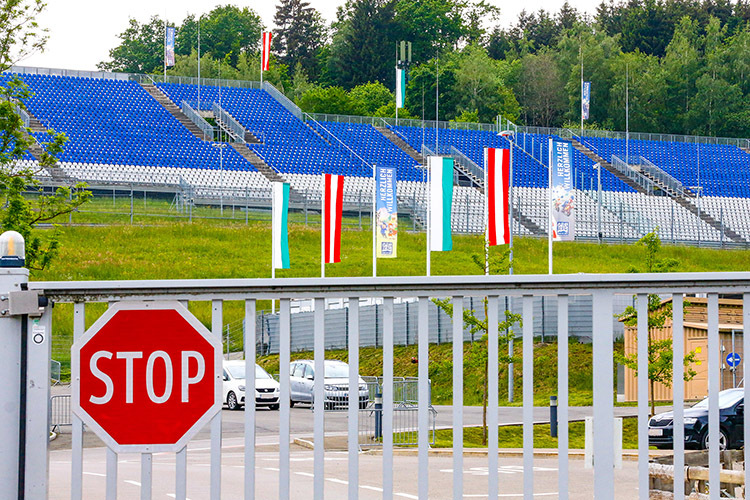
x: 302, y: 377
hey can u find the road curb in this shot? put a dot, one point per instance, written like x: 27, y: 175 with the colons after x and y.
x: 627, y: 455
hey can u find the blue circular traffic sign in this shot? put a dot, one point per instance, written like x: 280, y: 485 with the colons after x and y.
x: 733, y: 359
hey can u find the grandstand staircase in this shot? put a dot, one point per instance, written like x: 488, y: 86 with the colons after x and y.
x: 401, y: 144
x: 746, y: 150
x: 607, y: 165
x: 257, y: 162
x: 681, y: 200
x: 36, y: 151
x: 173, y: 110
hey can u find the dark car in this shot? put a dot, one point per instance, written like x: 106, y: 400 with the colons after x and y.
x: 731, y: 423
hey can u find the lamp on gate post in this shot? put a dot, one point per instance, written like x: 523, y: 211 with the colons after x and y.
x: 12, y: 249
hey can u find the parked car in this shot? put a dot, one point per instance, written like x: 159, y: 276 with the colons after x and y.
x: 302, y: 382
x: 266, y: 388
x: 731, y: 423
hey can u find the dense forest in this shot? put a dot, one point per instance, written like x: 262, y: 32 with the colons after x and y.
x: 684, y: 63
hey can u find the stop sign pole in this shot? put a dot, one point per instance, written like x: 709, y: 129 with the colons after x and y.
x: 146, y: 377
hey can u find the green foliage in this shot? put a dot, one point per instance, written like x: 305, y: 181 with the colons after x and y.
x: 660, y: 353
x: 225, y: 30
x: 299, y: 35
x: 20, y: 34
x: 370, y: 97
x: 361, y: 46
x: 17, y: 211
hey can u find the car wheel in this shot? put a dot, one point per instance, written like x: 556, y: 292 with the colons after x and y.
x: 723, y: 440
x: 273, y: 407
x: 363, y: 405
x: 232, y: 403
x: 291, y: 403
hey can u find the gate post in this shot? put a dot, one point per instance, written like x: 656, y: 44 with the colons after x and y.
x: 24, y: 368
x: 11, y: 280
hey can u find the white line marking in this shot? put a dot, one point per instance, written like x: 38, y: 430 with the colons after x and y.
x: 95, y: 474
x: 337, y: 481
x: 306, y: 474
x: 134, y: 483
x: 406, y: 495
x: 172, y: 495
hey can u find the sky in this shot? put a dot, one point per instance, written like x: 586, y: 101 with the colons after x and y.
x: 81, y: 32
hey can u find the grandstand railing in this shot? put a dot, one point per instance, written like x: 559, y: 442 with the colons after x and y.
x: 106, y: 75
x: 200, y: 122
x: 468, y: 164
x: 661, y: 176
x: 336, y: 141
x: 634, y: 175
x: 229, y: 123
x: 283, y: 100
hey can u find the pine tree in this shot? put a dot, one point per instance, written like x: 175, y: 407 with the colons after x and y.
x: 300, y: 35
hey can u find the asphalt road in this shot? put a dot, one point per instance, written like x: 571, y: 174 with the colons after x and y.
x: 475, y: 474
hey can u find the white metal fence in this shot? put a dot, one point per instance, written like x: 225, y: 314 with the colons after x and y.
x: 559, y: 288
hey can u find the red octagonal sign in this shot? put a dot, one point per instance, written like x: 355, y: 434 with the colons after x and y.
x: 146, y: 376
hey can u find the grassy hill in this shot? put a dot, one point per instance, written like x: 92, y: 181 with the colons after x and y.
x: 219, y: 249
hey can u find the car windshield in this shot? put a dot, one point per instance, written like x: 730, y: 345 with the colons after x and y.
x: 238, y: 372
x: 727, y: 399
x: 337, y: 370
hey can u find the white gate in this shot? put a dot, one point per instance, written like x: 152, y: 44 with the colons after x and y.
x: 235, y: 469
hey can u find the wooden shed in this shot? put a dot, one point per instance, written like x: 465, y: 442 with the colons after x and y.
x: 696, y: 339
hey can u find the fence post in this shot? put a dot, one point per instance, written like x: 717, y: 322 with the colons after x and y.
x: 131, y: 205
x: 359, y: 207
x: 247, y: 205
x: 11, y: 344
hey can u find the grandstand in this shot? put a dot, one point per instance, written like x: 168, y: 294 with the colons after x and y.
x: 233, y: 139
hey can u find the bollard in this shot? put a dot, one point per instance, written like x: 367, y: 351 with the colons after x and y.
x: 378, y: 415
x: 553, y: 416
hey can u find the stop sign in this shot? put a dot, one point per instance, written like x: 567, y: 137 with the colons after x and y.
x: 146, y: 376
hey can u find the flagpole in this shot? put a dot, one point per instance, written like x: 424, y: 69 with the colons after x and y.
x: 262, y: 36
x: 374, y: 220
x: 510, y: 208
x: 165, y: 48
x: 323, y: 217
x: 549, y: 208
x: 486, y: 218
x: 429, y: 210
x: 580, y: 53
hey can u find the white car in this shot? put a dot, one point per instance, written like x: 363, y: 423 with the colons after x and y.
x: 336, y: 380
x: 266, y: 388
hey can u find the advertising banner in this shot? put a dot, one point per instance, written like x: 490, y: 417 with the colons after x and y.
x: 169, y: 47
x: 386, y: 208
x: 562, y: 193
x: 586, y: 100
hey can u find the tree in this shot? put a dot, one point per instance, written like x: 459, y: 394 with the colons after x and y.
x: 363, y: 47
x: 541, y: 90
x: 20, y: 35
x: 477, y: 355
x: 660, y: 352
x: 17, y: 211
x: 329, y: 100
x: 370, y: 97
x: 141, y: 49
x: 225, y: 30
x: 300, y: 33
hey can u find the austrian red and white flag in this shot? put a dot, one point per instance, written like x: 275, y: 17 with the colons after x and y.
x: 333, y: 191
x: 497, y: 182
x: 266, y: 54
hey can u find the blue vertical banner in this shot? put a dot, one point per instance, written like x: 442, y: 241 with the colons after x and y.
x: 585, y: 100
x: 169, y: 46
x: 386, y: 209
x: 562, y: 194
